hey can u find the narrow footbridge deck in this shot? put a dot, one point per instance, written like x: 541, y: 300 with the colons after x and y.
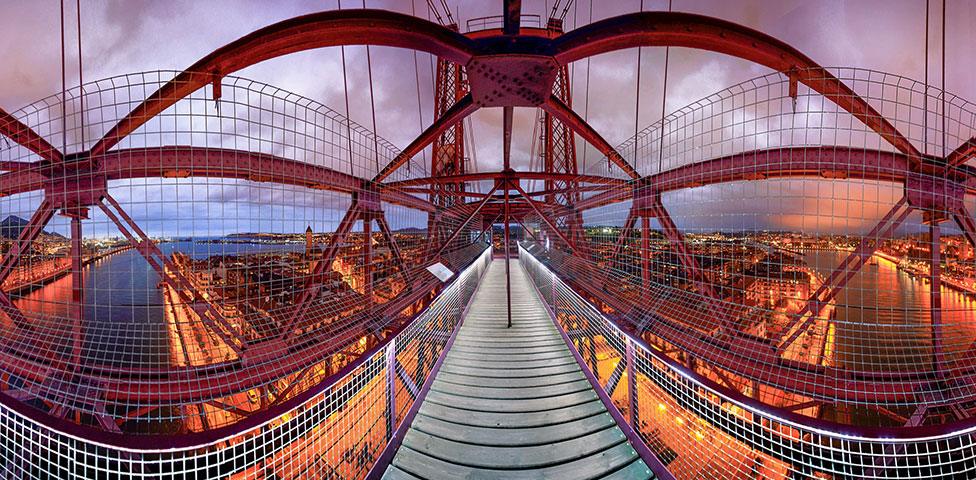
x: 513, y: 402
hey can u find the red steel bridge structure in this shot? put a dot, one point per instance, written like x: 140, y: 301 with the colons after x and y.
x: 325, y: 384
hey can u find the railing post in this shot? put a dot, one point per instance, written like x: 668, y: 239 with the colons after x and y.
x: 390, y: 388
x: 632, y: 404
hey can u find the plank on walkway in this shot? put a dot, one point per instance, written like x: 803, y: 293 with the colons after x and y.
x: 513, y: 403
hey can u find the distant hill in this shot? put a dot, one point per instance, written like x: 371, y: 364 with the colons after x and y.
x: 412, y: 230
x: 11, y: 227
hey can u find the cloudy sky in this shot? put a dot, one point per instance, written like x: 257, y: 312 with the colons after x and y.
x: 125, y: 36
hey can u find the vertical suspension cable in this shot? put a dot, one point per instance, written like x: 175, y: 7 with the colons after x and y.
x: 345, y: 87
x: 81, y: 80
x: 945, y: 133
x: 372, y: 106
x: 925, y: 95
x: 416, y: 71
x: 586, y: 93
x: 637, y: 102
x: 64, y: 111
x: 664, y: 102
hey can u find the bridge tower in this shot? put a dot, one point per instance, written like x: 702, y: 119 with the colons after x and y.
x: 558, y: 154
x: 447, y: 151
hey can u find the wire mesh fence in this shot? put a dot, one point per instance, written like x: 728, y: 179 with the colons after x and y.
x: 336, y: 429
x: 700, y: 429
x: 221, y: 257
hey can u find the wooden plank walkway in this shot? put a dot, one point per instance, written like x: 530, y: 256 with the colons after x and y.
x: 513, y: 403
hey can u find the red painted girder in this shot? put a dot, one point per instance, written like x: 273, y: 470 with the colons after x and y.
x: 790, y: 162
x: 165, y: 269
x: 512, y: 12
x: 508, y: 119
x: 34, y: 227
x: 457, y: 231
x: 191, y: 161
x: 16, y: 166
x: 677, y: 240
x: 562, y: 112
x: 464, y: 107
x: 843, y: 273
x: 544, y: 218
x: 21, y: 134
x: 387, y: 234
x: 624, y: 235
x: 755, y: 361
x: 962, y: 153
x: 649, y: 29
x: 476, y: 195
x: 966, y: 223
x: 317, y: 30
x: 518, y: 175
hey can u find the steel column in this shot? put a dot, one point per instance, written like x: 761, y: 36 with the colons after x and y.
x: 391, y: 364
x: 632, y: 402
x: 935, y: 297
x: 508, y: 272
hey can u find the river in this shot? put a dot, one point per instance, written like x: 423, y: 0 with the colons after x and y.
x: 123, y: 305
x: 883, y: 319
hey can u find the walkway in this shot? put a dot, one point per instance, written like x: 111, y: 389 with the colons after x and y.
x: 512, y: 403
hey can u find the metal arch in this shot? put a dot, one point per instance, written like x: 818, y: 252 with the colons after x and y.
x: 464, y: 107
x: 186, y: 161
x: 822, y: 161
x: 317, y: 30
x: 698, y: 31
x: 23, y: 135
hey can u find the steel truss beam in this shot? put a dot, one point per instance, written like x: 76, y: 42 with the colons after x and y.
x: 830, y: 162
x: 28, y: 234
x: 458, y: 112
x: 870, y: 243
x: 365, y: 208
x: 183, y: 287
x: 962, y: 153
x: 187, y: 161
x: 23, y: 135
x: 555, y: 107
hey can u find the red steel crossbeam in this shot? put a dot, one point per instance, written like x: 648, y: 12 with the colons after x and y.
x: 166, y: 270
x: 624, y: 236
x: 966, y: 223
x: 181, y: 161
x: 15, y: 130
x: 317, y: 30
x: 555, y: 107
x: 394, y: 246
x: 843, y: 273
x: 466, y: 221
x: 695, y: 273
x: 597, y: 180
x: 464, y: 107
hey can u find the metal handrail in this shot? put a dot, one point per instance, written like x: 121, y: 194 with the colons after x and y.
x: 339, y: 430
x: 738, y: 430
